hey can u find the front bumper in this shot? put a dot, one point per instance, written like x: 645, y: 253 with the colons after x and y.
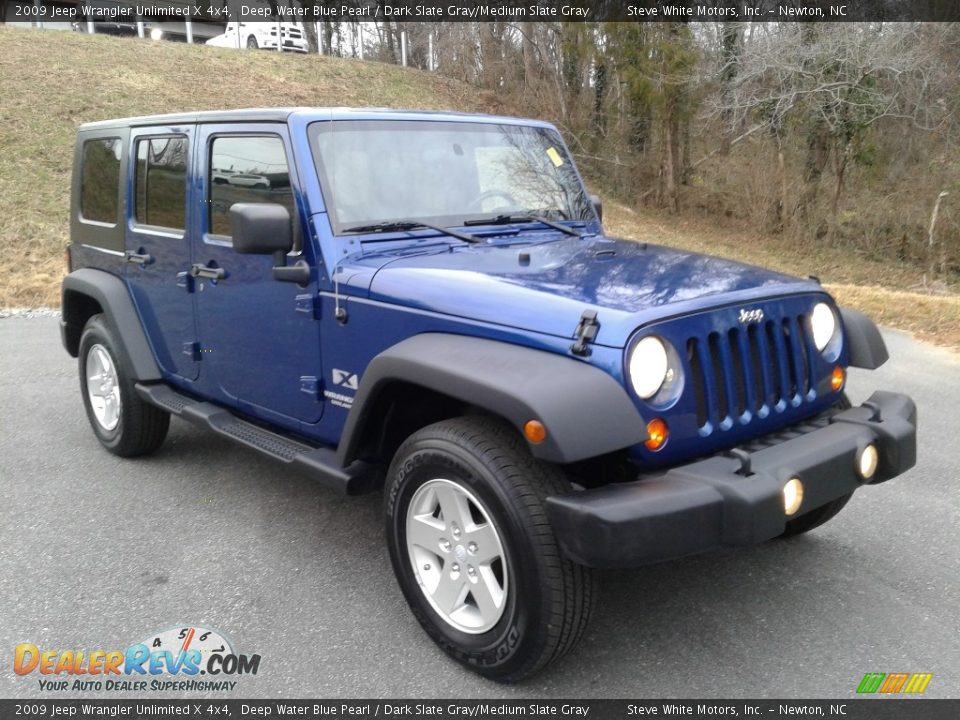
x: 298, y: 46
x: 719, y: 502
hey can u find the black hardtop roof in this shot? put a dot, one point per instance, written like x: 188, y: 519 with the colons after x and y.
x: 277, y: 114
x: 210, y: 116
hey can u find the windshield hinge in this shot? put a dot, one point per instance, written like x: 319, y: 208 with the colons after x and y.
x: 306, y: 304
x: 585, y: 333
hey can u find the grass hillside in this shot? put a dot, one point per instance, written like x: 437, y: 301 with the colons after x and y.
x: 53, y: 81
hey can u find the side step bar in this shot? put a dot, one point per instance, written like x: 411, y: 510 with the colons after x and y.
x: 319, y: 462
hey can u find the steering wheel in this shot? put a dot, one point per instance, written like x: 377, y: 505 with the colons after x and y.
x: 476, y: 205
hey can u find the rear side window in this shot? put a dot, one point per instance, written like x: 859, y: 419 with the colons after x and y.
x: 161, y: 182
x: 247, y: 169
x: 100, y: 180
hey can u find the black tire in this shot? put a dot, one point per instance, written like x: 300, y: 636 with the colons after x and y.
x: 252, y: 43
x: 549, y: 599
x: 818, y: 516
x: 141, y: 427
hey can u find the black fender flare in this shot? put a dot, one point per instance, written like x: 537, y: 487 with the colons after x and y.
x: 111, y: 294
x: 864, y: 342
x: 585, y: 411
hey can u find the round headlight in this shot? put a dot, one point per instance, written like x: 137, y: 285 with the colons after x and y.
x: 648, y: 366
x: 824, y: 325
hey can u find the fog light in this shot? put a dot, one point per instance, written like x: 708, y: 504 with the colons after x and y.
x: 867, y: 461
x: 792, y: 496
x: 657, y: 434
x: 837, y: 377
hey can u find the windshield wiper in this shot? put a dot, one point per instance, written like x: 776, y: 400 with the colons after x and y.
x: 523, y: 218
x: 401, y: 225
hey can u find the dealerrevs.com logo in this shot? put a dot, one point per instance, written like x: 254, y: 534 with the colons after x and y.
x: 172, y: 660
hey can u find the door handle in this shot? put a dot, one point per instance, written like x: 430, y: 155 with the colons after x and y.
x: 211, y: 273
x: 137, y: 258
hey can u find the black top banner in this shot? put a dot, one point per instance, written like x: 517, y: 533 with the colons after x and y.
x: 198, y: 709
x: 506, y: 10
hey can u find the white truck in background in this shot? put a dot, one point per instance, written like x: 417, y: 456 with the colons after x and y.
x: 262, y: 35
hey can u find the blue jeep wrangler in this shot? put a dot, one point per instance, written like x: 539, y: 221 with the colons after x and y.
x: 428, y: 304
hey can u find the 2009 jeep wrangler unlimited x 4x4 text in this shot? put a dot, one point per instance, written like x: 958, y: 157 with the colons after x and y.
x: 428, y: 303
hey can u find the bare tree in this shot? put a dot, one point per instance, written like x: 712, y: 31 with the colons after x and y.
x: 834, y: 81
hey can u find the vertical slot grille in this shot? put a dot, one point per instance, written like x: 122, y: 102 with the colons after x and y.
x: 696, y: 375
x: 739, y: 403
x: 719, y: 380
x: 803, y: 346
x: 790, y: 346
x: 773, y: 365
x: 758, y: 369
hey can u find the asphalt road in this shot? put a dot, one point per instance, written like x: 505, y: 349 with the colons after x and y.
x: 99, y: 552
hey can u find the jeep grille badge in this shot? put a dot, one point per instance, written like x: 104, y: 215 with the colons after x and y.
x: 750, y: 316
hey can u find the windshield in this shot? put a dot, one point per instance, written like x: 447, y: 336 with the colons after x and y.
x: 444, y: 173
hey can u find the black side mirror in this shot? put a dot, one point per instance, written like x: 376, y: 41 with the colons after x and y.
x: 597, y: 206
x: 261, y: 228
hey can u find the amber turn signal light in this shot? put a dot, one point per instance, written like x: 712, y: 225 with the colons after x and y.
x: 657, y: 434
x: 535, y: 432
x: 837, y: 378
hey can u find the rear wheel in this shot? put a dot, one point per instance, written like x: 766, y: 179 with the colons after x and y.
x: 818, y: 516
x: 123, y: 423
x: 474, y: 553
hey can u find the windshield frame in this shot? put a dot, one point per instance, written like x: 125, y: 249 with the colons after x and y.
x: 340, y: 227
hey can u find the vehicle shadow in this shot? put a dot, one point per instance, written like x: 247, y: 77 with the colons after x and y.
x: 697, y: 626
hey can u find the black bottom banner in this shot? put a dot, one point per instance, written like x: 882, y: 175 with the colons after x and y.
x: 858, y: 709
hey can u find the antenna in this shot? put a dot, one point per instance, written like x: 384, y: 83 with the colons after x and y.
x: 340, y: 313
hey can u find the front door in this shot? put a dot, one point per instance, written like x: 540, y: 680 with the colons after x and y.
x: 260, y: 341
x: 157, y: 246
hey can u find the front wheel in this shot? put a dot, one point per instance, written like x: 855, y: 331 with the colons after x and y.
x: 474, y: 553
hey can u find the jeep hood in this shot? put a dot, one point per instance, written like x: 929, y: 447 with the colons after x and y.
x: 545, y: 288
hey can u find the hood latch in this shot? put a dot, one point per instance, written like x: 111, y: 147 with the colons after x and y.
x: 585, y: 333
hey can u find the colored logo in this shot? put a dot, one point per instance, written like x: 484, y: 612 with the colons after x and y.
x: 182, y: 652
x: 892, y: 683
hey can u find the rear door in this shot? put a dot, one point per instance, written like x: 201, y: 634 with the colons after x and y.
x: 260, y: 337
x: 157, y: 245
